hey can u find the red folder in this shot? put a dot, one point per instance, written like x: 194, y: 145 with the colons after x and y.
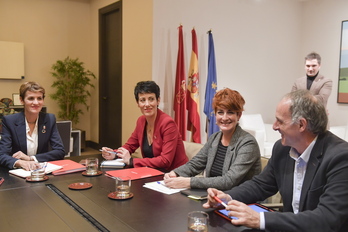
x: 134, y: 173
x: 69, y: 166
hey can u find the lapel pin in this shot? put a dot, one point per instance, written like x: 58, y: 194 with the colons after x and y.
x: 44, y: 129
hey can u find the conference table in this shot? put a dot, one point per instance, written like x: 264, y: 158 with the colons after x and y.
x: 51, y: 206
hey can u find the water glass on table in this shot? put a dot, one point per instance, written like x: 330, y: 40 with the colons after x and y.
x: 197, y: 221
x: 39, y: 172
x: 123, y: 184
x: 92, y: 166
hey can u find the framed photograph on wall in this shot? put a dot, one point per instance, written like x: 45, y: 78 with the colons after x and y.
x: 342, y: 96
x: 15, y: 98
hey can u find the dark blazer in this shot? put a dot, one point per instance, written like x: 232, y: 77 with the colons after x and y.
x: 13, y: 139
x: 323, y: 203
x: 168, y: 147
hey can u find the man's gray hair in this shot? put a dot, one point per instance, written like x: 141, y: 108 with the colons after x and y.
x: 305, y: 105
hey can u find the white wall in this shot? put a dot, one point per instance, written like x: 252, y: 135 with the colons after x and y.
x: 321, y: 31
x: 260, y: 46
x: 257, y: 46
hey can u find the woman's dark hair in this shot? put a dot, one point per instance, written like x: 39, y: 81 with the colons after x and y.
x: 146, y: 87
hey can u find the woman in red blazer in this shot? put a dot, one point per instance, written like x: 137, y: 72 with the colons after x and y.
x: 155, y: 133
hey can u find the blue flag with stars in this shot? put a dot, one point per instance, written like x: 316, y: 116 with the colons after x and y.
x: 210, y: 89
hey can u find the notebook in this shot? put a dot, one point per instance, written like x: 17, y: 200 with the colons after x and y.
x: 24, y: 174
x: 197, y: 194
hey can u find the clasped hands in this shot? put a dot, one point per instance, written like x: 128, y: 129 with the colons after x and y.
x: 109, y: 154
x: 246, y: 216
x: 24, y: 161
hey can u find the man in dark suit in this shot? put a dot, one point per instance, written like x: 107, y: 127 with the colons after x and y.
x: 309, y: 167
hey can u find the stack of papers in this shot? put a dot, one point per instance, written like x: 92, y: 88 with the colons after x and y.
x: 117, y: 163
x: 23, y: 173
x: 160, y: 187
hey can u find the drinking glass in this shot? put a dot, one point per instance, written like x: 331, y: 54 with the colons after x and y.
x: 92, y: 166
x: 197, y: 221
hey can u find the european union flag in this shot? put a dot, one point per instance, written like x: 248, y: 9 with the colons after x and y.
x: 210, y: 89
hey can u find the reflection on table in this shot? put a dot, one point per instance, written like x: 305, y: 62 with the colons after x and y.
x: 35, y: 207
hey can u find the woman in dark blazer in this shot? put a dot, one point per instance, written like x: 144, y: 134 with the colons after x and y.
x: 156, y: 134
x: 30, y: 136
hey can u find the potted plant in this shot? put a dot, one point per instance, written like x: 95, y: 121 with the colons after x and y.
x: 72, y: 82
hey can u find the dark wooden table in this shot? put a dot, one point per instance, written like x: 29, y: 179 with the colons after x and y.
x: 29, y: 206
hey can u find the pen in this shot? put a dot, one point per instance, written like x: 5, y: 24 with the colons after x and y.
x: 111, y: 152
x: 220, y: 201
x: 44, y: 167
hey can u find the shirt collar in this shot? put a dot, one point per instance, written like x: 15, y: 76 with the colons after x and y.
x: 27, y: 124
x: 306, y: 154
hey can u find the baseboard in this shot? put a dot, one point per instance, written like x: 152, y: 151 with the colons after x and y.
x: 93, y: 145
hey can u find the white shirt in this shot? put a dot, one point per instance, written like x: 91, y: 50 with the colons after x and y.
x: 32, y: 140
x: 300, y: 168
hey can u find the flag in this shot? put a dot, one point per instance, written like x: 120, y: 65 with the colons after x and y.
x: 210, y: 89
x: 180, y: 89
x: 193, y: 120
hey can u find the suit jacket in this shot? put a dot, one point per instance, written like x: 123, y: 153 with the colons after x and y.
x: 323, y: 203
x: 242, y: 162
x: 321, y: 87
x: 167, y: 146
x: 13, y: 139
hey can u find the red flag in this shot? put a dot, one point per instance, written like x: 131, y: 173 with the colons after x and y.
x: 180, y: 89
x: 193, y: 122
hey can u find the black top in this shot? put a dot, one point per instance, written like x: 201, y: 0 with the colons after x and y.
x: 310, y: 80
x: 216, y: 168
x: 147, y: 148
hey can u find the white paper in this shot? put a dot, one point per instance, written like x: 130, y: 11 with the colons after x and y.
x: 23, y: 173
x: 160, y: 187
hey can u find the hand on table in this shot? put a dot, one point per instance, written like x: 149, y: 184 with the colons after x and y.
x: 27, y: 165
x: 169, y: 175
x: 172, y: 181
x: 246, y: 216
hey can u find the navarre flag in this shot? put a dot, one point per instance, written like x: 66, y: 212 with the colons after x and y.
x: 193, y: 119
x: 180, y: 88
x: 210, y: 89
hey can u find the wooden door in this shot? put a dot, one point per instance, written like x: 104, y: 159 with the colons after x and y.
x: 110, y: 75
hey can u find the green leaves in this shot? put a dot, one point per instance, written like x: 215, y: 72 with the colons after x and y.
x: 71, y: 84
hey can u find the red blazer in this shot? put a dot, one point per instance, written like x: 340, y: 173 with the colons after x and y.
x: 168, y: 147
